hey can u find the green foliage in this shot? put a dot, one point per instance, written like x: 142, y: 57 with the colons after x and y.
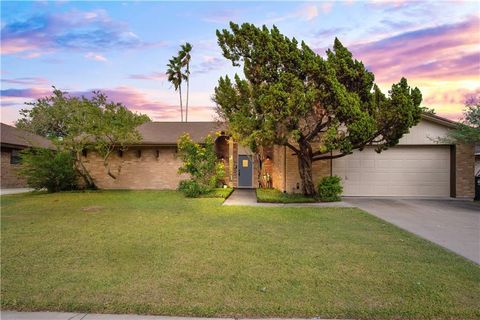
x: 75, y: 124
x: 277, y: 196
x: 290, y: 95
x: 468, y: 130
x: 191, y: 188
x: 330, y: 189
x: 201, y: 163
x: 49, y: 169
x: 222, y: 193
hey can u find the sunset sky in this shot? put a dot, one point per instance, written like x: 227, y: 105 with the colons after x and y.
x: 122, y: 48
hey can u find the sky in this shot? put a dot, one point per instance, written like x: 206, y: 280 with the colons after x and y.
x: 122, y: 48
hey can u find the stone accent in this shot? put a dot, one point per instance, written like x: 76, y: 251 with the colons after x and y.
x: 9, y: 176
x: 465, y: 171
x: 153, y: 168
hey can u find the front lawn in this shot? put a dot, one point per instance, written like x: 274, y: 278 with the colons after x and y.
x: 153, y: 252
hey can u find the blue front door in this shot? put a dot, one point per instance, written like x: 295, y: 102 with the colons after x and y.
x: 245, y: 171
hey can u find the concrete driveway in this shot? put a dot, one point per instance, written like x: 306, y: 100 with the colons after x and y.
x: 451, y: 223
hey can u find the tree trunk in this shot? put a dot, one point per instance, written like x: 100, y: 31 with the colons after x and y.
x: 186, y: 105
x: 305, y: 170
x: 82, y: 171
x: 181, y: 106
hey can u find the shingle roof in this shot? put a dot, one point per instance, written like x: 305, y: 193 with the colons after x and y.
x: 15, y: 137
x: 167, y: 133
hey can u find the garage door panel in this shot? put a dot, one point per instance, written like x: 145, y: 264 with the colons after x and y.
x: 399, y: 171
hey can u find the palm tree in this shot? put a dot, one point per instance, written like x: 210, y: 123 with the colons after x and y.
x: 184, y: 55
x: 175, y: 77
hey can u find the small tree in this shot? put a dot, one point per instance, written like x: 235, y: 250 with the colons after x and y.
x: 75, y: 124
x: 319, y: 108
x: 44, y: 168
x: 201, y: 163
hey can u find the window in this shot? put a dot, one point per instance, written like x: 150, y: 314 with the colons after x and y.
x: 158, y: 153
x: 15, y: 157
x: 139, y: 153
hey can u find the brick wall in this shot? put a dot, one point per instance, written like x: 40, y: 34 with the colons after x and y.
x: 9, y: 177
x: 465, y: 171
x: 292, y: 179
x: 145, y: 172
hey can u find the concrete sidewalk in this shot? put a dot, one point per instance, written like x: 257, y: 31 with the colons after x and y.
x: 14, y: 315
x: 247, y: 197
x: 15, y: 190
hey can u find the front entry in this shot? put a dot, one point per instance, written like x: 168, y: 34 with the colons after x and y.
x: 245, y: 171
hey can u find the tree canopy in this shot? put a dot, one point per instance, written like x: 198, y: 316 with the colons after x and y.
x: 320, y: 108
x: 468, y: 130
x: 78, y: 123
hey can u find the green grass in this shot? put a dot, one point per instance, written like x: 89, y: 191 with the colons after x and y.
x: 153, y: 252
x: 276, y: 196
x: 222, y: 193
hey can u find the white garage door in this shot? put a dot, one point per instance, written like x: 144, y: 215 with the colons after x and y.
x: 400, y: 171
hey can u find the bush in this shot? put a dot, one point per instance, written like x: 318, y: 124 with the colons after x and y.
x: 330, y: 189
x: 54, y: 171
x: 201, y: 163
x: 192, y: 188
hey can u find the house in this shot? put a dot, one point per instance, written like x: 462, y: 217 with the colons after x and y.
x: 417, y: 166
x: 12, y: 141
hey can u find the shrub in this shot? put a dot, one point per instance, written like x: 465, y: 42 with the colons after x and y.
x: 191, y: 188
x: 54, y: 171
x: 330, y: 189
x: 201, y: 163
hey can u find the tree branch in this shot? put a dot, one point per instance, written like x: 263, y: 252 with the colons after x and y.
x: 292, y: 147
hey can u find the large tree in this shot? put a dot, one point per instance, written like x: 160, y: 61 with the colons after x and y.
x: 75, y: 124
x: 319, y: 108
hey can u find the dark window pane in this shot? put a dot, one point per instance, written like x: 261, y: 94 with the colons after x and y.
x: 15, y: 157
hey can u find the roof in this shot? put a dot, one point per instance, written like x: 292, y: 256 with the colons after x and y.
x: 167, y: 133
x: 14, y: 137
x: 439, y: 120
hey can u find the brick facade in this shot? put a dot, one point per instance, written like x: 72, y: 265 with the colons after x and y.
x: 152, y: 168
x: 9, y: 176
x: 465, y: 171
x: 156, y: 168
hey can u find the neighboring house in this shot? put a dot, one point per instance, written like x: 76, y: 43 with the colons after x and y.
x: 477, y: 160
x: 12, y: 141
x: 417, y: 166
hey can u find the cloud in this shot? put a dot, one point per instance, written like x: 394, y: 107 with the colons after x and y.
x: 450, y: 51
x: 222, y: 16
x: 26, y: 81
x: 156, y: 76
x: 134, y: 99
x: 95, y: 56
x: 307, y: 12
x: 210, y: 63
x: 73, y: 30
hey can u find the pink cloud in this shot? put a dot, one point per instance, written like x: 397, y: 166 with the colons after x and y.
x: 452, y: 48
x: 96, y: 57
x: 156, y: 76
x: 132, y: 98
